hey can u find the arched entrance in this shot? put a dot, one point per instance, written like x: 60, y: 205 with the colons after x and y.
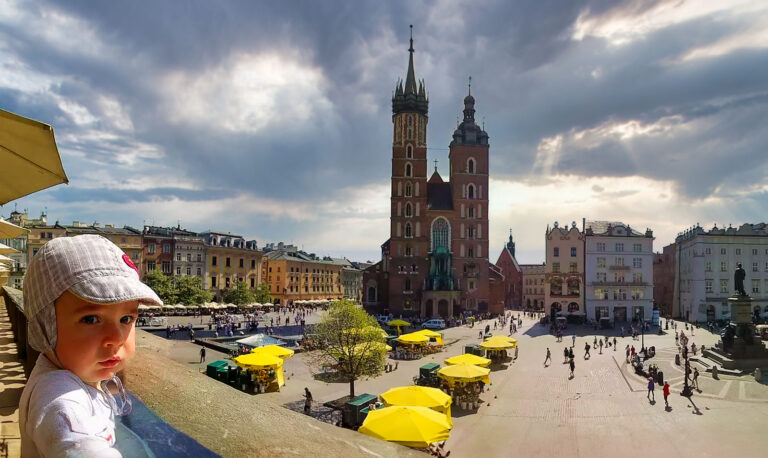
x: 528, y: 303
x: 573, y: 307
x: 554, y: 308
x: 711, y: 316
x: 442, y: 308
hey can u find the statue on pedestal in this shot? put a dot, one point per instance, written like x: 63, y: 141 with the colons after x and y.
x: 738, y: 279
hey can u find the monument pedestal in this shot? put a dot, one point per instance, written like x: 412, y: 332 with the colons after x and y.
x: 738, y: 348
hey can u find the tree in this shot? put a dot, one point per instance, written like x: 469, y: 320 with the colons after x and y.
x: 189, y: 290
x: 162, y: 285
x: 351, y: 340
x: 239, y: 295
x: 261, y: 294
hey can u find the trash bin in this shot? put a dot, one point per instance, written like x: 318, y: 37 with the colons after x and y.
x: 212, y: 368
x: 429, y: 370
x: 352, y: 411
x: 677, y: 359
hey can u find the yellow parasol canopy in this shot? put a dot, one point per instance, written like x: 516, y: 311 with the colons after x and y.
x: 5, y: 249
x: 432, y: 335
x: 412, y: 426
x: 415, y: 395
x: 497, y: 343
x: 468, y: 358
x: 413, y: 339
x: 30, y: 159
x: 273, y: 350
x: 397, y: 323
x: 464, y: 373
x: 10, y: 230
x: 258, y: 361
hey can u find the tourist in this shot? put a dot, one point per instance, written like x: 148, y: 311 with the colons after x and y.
x: 307, y: 401
x: 627, y: 349
x: 573, y: 340
x: 666, y: 393
x: 601, y: 346
x: 67, y: 407
x: 570, y: 353
x: 548, y: 358
x: 565, y: 355
x: 614, y: 343
x: 586, y: 350
x: 695, y: 380
x: 202, y: 355
x: 572, y: 366
x: 651, y: 386
x: 595, y: 343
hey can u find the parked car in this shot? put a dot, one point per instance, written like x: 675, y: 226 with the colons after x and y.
x: 383, y: 318
x: 434, y: 323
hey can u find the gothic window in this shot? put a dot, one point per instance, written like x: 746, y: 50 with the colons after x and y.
x: 408, y: 170
x: 408, y: 210
x: 408, y: 250
x: 409, y: 152
x: 471, y: 166
x: 471, y: 191
x: 440, y: 233
x: 408, y: 230
x: 408, y: 190
x: 410, y: 127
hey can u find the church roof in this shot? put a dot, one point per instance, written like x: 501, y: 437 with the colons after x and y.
x: 439, y: 195
x: 435, y: 178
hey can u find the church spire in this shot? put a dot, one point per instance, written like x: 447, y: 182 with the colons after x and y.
x: 410, y: 80
x: 413, y: 97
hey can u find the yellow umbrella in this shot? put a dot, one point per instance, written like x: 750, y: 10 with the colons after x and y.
x: 5, y: 249
x: 464, y: 373
x: 258, y: 361
x: 30, y: 159
x: 415, y: 395
x: 432, y: 335
x: 503, y: 338
x: 496, y: 344
x: 412, y: 426
x: 274, y: 350
x: 468, y: 358
x: 413, y: 339
x: 9, y: 230
x: 398, y: 322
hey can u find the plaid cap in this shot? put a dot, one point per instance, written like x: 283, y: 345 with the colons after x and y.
x: 89, y: 266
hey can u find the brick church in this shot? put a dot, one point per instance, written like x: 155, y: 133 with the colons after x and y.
x: 435, y: 262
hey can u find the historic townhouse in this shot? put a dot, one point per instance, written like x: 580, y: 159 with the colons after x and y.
x: 564, y: 272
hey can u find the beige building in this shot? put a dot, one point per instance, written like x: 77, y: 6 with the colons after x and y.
x: 564, y: 272
x: 229, y: 259
x: 533, y: 286
x: 293, y: 275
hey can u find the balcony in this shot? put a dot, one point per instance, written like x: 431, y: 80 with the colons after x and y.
x: 616, y: 267
x: 619, y: 283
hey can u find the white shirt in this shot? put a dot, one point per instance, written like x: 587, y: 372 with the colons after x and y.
x: 60, y: 415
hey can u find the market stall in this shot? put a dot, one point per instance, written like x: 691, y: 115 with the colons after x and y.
x: 412, y: 346
x: 422, y: 396
x: 265, y: 371
x: 465, y: 382
x: 398, y: 324
x: 468, y: 358
x: 496, y: 347
x: 407, y: 425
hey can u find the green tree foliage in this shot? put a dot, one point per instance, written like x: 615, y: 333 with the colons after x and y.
x: 162, y: 285
x: 351, y: 340
x: 189, y: 290
x: 239, y: 295
x: 261, y: 294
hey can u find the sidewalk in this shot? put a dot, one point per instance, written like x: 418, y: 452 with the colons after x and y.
x: 12, y: 381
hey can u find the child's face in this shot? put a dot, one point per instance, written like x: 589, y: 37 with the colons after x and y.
x: 94, y: 341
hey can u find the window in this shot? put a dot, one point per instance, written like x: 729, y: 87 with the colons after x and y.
x: 618, y: 277
x: 708, y: 267
x: 619, y: 247
x: 600, y: 293
x: 556, y: 252
x: 471, y: 166
x: 407, y: 284
x: 470, y: 252
x: 167, y: 267
x: 213, y: 260
x: 754, y: 251
x: 471, y: 212
x: 213, y: 282
x: 410, y: 127
x: 471, y: 191
x: 228, y: 262
x: 408, y: 170
x: 178, y: 270
x: 199, y: 257
x: 723, y: 251
x: 572, y: 267
x: 135, y: 255
x: 738, y: 251
x: 408, y: 210
x: 723, y: 266
x: 440, y: 230
x: 407, y: 250
x: 637, y: 263
x: 189, y: 257
x: 708, y: 287
x: 408, y: 190
x: 637, y: 277
x: 242, y: 263
x: 766, y: 266
x: 556, y: 267
x: 178, y: 256
x: 619, y: 261
x: 755, y: 286
x: 199, y: 271
x: 601, y: 263
x: 600, y: 246
x: 151, y: 266
x: 151, y: 247
x: 707, y: 250
x: 573, y: 252
x: 189, y: 271
x: 409, y: 152
x: 166, y: 248
x: 226, y: 282
x: 754, y: 266
x: 637, y: 248
x: 602, y: 277
x: 470, y: 232
x: 723, y: 286
x: 408, y: 230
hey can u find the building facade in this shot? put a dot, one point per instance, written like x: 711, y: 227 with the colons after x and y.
x: 293, y: 275
x: 188, y: 254
x: 706, y: 261
x: 513, y: 276
x: 230, y: 259
x: 619, y: 272
x: 564, y: 272
x: 534, y: 283
x: 157, y: 253
x: 664, y: 280
x: 435, y: 262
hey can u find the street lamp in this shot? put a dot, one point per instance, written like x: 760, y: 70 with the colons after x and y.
x: 638, y: 315
x: 686, y: 391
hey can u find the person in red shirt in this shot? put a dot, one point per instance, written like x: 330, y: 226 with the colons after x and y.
x: 666, y: 392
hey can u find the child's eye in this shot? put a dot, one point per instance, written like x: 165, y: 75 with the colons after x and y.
x: 89, y: 319
x: 127, y: 319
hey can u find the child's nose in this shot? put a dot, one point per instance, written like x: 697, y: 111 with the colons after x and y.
x: 114, y: 334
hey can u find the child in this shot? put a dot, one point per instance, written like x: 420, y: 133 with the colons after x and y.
x: 81, y: 299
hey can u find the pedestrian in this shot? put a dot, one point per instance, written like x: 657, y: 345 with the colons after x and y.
x: 565, y: 355
x: 651, y: 386
x: 570, y: 353
x: 614, y: 344
x: 548, y: 358
x: 572, y: 365
x: 573, y: 340
x: 666, y: 393
x: 307, y: 401
x: 695, y: 380
x: 202, y: 354
x: 595, y: 343
x: 516, y: 348
x: 586, y: 350
x: 627, y: 353
x: 601, y: 346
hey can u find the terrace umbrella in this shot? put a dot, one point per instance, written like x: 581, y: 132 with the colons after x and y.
x: 30, y: 159
x: 9, y: 230
x: 422, y: 396
x: 468, y: 358
x: 412, y: 426
x: 5, y: 249
x: 496, y: 344
x: 464, y: 373
x: 432, y: 335
x: 413, y: 339
x: 274, y: 350
x: 258, y: 361
x: 398, y: 323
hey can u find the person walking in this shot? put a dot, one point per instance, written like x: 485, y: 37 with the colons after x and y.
x: 614, y: 343
x: 601, y: 346
x: 651, y: 386
x: 572, y: 366
x: 627, y: 353
x: 565, y: 355
x: 307, y: 401
x: 202, y: 355
x: 586, y: 350
x: 594, y: 344
x: 573, y: 340
x: 695, y: 379
x: 666, y: 393
x: 548, y: 358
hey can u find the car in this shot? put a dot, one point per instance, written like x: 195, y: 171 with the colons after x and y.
x: 383, y: 318
x: 434, y: 323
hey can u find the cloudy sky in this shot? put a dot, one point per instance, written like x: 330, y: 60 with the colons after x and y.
x: 273, y: 119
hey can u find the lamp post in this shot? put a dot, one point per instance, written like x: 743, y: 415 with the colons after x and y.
x: 686, y: 391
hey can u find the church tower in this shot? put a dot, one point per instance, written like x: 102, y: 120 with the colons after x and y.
x: 468, y: 159
x: 408, y: 231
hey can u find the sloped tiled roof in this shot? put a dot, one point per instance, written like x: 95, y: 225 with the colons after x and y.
x: 439, y: 196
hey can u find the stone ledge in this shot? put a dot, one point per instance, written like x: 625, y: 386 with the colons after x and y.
x: 232, y: 423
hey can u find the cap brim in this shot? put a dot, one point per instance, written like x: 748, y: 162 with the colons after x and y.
x: 112, y: 289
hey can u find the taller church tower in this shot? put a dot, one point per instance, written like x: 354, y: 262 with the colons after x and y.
x: 408, y: 230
